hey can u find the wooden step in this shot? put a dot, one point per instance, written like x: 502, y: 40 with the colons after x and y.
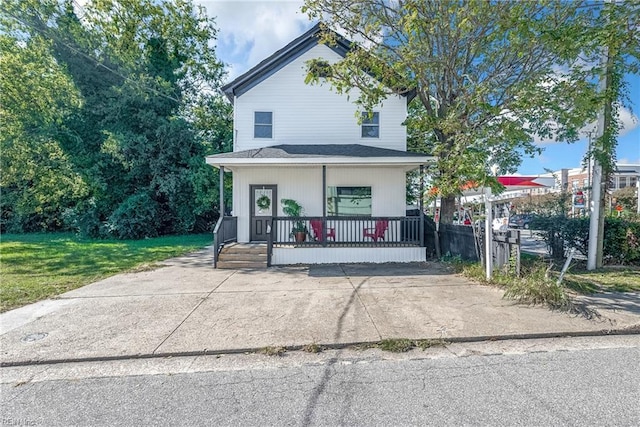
x: 245, y: 249
x: 233, y: 265
x: 242, y: 256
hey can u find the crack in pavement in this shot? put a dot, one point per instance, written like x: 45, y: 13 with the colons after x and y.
x: 357, y: 295
x: 191, y: 312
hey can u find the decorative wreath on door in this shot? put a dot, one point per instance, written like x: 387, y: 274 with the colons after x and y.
x: 263, y: 202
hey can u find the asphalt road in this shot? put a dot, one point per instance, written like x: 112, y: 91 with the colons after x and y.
x: 531, y: 385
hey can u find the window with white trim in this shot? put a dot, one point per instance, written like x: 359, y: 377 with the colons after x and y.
x: 371, y: 125
x: 263, y: 124
x: 622, y: 181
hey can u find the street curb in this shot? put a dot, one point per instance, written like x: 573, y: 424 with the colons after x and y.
x: 632, y: 330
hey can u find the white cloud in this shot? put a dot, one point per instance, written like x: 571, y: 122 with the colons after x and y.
x: 628, y: 161
x: 250, y: 31
x: 628, y: 121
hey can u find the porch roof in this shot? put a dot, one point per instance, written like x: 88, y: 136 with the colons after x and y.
x: 325, y: 154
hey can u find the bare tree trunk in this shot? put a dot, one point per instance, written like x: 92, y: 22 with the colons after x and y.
x: 447, y: 208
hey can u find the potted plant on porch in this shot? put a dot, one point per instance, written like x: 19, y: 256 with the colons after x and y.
x: 294, y: 209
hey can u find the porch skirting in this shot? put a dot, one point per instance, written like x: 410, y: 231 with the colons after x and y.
x: 315, y: 255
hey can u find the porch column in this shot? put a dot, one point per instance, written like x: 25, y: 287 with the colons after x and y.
x: 221, y: 191
x: 421, y: 206
x: 324, y: 205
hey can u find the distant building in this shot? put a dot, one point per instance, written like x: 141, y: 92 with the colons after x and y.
x: 579, y: 179
x: 576, y: 179
x: 626, y: 176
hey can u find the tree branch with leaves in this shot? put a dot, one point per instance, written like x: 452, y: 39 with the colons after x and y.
x: 489, y: 77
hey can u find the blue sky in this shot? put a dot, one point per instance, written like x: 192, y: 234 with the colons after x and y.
x: 249, y: 31
x: 561, y: 155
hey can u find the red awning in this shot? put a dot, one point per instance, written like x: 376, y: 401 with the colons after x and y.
x: 472, y: 188
x: 526, y: 181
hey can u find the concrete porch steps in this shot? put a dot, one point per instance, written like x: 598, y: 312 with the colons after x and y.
x: 243, y: 255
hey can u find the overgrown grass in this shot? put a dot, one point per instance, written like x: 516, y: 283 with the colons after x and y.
x: 312, y: 348
x: 38, y: 266
x: 401, y: 345
x: 397, y: 345
x: 537, y: 283
x: 274, y: 351
x: 616, y: 279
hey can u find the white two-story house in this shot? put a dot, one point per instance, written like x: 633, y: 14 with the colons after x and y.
x: 346, y: 168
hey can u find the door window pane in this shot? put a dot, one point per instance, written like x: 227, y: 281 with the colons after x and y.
x: 263, y: 202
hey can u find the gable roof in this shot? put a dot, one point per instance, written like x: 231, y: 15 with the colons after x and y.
x: 284, y: 56
x: 320, y: 154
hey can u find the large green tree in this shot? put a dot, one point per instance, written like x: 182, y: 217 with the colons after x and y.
x: 38, y: 180
x: 489, y: 77
x: 145, y: 75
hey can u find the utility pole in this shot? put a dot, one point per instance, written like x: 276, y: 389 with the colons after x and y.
x: 596, y: 221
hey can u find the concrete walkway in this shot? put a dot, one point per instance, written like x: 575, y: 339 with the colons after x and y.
x: 186, y: 307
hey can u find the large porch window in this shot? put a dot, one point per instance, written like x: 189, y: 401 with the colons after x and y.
x: 349, y: 201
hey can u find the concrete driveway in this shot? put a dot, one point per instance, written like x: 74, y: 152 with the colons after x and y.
x: 186, y: 306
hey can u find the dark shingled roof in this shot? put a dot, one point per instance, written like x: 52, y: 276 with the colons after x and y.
x: 325, y: 150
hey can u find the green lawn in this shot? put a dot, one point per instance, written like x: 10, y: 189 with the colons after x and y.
x: 618, y: 279
x: 38, y: 266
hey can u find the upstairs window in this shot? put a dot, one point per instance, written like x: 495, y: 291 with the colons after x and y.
x: 263, y: 124
x: 371, y: 125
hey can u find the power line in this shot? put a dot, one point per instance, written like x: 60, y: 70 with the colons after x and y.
x: 96, y: 61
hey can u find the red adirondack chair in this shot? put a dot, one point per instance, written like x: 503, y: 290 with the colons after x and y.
x: 377, y: 233
x: 316, y: 226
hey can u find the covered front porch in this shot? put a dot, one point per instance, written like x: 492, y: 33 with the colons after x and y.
x: 345, y: 239
x: 353, y: 198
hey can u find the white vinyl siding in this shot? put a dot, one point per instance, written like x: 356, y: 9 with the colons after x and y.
x: 304, y: 184
x: 289, y: 256
x: 313, y: 114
